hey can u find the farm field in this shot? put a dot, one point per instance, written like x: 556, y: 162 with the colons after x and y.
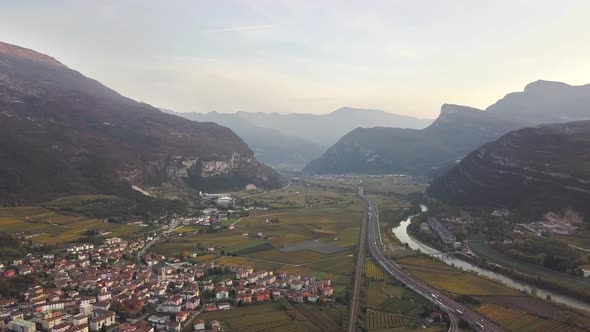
x: 278, y: 316
x: 451, y: 280
x: 379, y: 320
x: 374, y: 272
x: 519, y: 321
x: 47, y: 227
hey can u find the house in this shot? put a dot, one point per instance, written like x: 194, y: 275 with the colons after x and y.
x: 101, y: 318
x: 9, y: 273
x: 313, y: 298
x: 328, y: 291
x: 211, y: 307
x: 193, y: 303
x: 215, y: 325
x: 173, y: 326
x: 221, y: 293
x: 199, y: 325
x: 223, y: 306
x: 181, y: 316
x: 19, y: 325
x: 170, y: 307
x: 177, y: 300
x: 126, y: 328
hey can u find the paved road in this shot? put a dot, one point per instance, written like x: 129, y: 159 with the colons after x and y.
x: 358, y: 275
x: 454, y: 309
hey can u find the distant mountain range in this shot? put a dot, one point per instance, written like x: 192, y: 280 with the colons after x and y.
x: 535, y: 170
x: 62, y: 133
x: 292, y: 140
x: 457, y: 131
x: 270, y: 146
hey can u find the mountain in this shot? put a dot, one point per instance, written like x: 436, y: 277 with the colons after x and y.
x: 327, y: 129
x: 535, y: 170
x: 544, y: 102
x: 270, y: 145
x: 62, y: 133
x: 457, y: 131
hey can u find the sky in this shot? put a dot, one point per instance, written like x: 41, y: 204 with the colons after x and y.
x: 405, y: 57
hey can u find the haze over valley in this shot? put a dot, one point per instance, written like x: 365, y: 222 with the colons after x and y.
x: 294, y: 166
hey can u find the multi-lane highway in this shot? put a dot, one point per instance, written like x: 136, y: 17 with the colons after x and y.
x: 454, y: 309
x: 358, y: 275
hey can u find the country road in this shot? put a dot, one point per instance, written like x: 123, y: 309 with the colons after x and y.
x: 454, y: 310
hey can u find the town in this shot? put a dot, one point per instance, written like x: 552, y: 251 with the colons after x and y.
x: 95, y: 288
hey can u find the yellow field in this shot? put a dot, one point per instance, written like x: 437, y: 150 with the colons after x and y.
x: 462, y: 283
x: 379, y: 320
x: 424, y: 262
x: 520, y: 321
x: 256, y: 265
x: 47, y: 227
x: 372, y: 271
x: 452, y: 280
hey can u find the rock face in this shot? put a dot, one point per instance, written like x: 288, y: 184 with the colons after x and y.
x: 62, y: 133
x: 457, y: 131
x: 532, y: 169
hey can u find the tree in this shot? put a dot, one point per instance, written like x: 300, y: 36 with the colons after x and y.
x: 463, y: 324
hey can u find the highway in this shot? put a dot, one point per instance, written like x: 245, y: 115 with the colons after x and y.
x: 358, y: 275
x: 455, y: 310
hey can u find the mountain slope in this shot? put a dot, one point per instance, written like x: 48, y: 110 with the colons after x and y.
x: 327, y: 129
x: 455, y: 132
x: 62, y: 133
x: 545, y: 102
x: 269, y: 145
x: 533, y: 169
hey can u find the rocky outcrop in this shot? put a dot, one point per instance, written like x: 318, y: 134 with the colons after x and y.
x: 536, y: 170
x: 62, y: 133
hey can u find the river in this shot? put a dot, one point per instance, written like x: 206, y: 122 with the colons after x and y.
x: 401, y: 232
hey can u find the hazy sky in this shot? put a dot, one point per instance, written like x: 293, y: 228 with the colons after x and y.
x: 404, y: 57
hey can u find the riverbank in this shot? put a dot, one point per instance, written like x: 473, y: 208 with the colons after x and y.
x: 401, y: 233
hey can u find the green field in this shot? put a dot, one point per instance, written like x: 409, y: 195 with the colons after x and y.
x: 47, y: 227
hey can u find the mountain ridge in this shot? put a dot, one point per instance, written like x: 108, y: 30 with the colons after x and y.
x: 292, y: 140
x: 457, y: 131
x: 62, y: 133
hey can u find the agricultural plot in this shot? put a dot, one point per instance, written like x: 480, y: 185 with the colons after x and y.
x: 317, y: 246
x: 250, y: 318
x: 47, y: 227
x: 462, y: 283
x: 390, y: 298
x: 379, y: 320
x: 374, y: 272
x: 452, y: 280
x: 519, y: 321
